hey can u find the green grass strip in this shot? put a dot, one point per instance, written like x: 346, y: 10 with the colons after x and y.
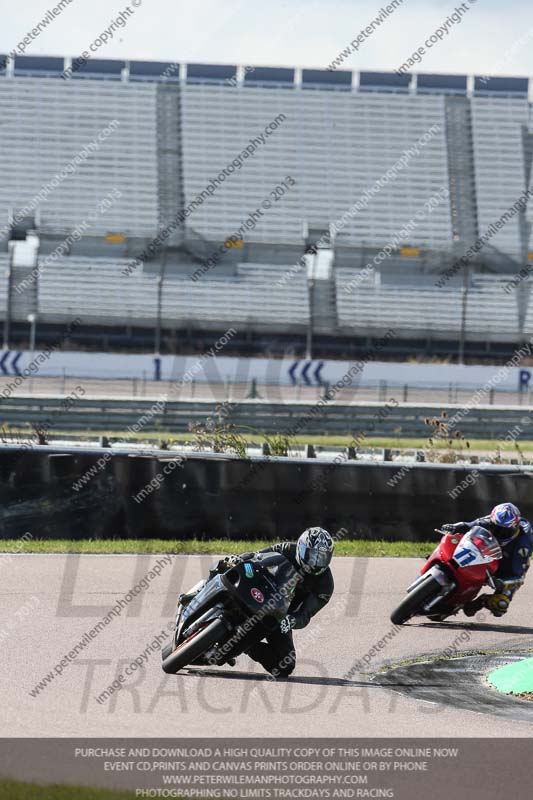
x: 514, y: 678
x: 15, y: 790
x: 394, y: 442
x: 197, y: 546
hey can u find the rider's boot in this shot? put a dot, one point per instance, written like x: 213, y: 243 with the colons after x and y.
x: 470, y: 609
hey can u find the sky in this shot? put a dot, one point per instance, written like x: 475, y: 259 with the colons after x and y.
x: 493, y: 37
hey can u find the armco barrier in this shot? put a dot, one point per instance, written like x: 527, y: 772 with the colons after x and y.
x: 224, y: 496
x: 390, y: 418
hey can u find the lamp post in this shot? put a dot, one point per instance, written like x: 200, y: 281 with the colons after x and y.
x: 158, y: 324
x: 311, y: 270
x: 32, y: 319
x: 9, y: 293
x: 464, y: 305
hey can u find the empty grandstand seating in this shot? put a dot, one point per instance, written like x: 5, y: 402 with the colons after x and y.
x: 98, y: 292
x: 498, y: 127
x: 426, y: 310
x: 335, y: 133
x: 335, y: 145
x: 3, y: 284
x: 335, y: 141
x: 47, y: 122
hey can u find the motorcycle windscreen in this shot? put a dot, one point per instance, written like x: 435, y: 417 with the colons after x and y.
x: 205, y: 596
x: 478, y: 546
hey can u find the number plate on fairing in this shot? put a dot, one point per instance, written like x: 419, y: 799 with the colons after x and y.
x: 467, y: 554
x: 478, y: 546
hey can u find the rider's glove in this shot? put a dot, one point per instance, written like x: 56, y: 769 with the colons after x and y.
x: 228, y: 562
x: 452, y: 527
x: 287, y: 624
x: 498, y: 603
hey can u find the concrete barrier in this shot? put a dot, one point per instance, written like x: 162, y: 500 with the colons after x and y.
x: 80, y: 493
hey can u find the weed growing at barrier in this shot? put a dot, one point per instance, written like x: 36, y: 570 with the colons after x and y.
x: 472, y: 477
x: 440, y: 447
x: 451, y: 455
x: 277, y: 444
x: 220, y: 438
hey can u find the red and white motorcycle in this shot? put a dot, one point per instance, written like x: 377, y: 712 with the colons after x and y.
x: 452, y: 577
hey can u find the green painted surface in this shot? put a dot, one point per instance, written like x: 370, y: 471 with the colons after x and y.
x: 514, y: 678
x: 14, y: 790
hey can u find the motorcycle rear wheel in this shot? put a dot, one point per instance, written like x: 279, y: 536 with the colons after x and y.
x: 411, y: 604
x: 193, y: 647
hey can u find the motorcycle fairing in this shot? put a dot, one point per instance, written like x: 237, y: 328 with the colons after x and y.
x: 452, y: 557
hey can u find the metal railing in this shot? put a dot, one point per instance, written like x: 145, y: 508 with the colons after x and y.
x: 378, y: 391
x: 359, y: 420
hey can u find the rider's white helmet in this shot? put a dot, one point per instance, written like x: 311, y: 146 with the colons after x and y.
x: 314, y: 550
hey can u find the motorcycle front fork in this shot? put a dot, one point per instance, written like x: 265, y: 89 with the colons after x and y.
x: 447, y: 586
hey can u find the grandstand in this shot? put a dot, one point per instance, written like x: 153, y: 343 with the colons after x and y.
x: 428, y: 312
x: 90, y: 289
x: 393, y: 178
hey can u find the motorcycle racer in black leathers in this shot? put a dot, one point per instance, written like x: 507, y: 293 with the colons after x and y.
x: 310, y: 556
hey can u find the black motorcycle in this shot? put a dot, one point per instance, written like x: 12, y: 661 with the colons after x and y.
x: 232, y: 612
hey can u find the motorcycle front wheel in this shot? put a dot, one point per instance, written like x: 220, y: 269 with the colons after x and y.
x: 193, y: 647
x: 412, y: 603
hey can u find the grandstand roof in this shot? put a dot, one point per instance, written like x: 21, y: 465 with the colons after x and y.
x: 250, y: 75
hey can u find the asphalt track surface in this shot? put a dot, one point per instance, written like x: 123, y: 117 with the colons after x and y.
x: 48, y: 602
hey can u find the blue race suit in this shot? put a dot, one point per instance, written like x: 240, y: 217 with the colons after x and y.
x: 516, y: 553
